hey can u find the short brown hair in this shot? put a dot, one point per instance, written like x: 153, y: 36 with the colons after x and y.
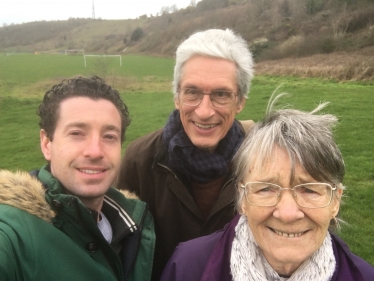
x: 92, y: 87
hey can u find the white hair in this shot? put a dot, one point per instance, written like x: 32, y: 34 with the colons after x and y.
x: 217, y: 43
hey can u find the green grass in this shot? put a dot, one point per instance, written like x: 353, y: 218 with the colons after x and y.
x: 352, y: 102
x: 19, y: 134
x: 26, y: 68
x: 148, y: 111
x: 19, y: 72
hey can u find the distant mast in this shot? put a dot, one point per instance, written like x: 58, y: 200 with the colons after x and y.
x: 93, y: 10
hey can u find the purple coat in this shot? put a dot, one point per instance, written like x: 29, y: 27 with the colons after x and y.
x: 208, y: 258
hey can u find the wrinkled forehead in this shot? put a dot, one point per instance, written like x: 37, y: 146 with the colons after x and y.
x: 276, y: 166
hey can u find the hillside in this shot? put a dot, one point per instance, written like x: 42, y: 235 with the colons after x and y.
x: 319, y: 38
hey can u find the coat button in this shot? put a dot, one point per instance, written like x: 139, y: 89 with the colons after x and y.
x: 92, y: 246
x: 57, y: 205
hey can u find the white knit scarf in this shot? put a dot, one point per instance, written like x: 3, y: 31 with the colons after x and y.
x: 248, y: 263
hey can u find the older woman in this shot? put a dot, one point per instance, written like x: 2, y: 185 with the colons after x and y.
x: 290, y: 174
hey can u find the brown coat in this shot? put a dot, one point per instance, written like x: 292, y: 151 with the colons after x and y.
x: 177, y: 217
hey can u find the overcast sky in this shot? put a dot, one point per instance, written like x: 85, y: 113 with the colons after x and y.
x: 20, y: 11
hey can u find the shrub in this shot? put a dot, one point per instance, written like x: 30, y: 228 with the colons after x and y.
x: 258, y: 45
x: 360, y: 20
x: 314, y: 6
x: 291, y: 46
x: 328, y: 45
x: 137, y: 34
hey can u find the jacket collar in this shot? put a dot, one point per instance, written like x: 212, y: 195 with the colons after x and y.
x: 122, y: 223
x: 218, y: 265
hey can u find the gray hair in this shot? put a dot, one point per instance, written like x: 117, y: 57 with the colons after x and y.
x: 217, y: 43
x: 306, y: 137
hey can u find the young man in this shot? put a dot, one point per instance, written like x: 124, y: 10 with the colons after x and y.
x: 183, y: 171
x: 75, y: 226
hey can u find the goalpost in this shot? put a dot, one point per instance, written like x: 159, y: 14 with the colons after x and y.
x: 103, y: 56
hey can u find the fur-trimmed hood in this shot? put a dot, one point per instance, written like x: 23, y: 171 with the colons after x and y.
x: 22, y: 191
x: 26, y: 193
x: 55, y: 238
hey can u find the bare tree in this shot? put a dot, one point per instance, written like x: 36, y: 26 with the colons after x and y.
x: 173, y: 8
x: 165, y: 10
x: 193, y: 3
x: 339, y: 23
x: 101, y: 66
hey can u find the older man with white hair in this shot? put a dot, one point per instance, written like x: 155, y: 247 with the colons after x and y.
x: 183, y: 171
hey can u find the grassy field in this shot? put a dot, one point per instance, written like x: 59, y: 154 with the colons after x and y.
x: 145, y: 85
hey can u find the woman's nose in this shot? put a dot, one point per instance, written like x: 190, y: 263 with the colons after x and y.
x: 287, y: 210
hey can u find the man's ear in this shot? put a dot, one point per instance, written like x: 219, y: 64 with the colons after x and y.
x: 45, y: 144
x: 240, y: 106
x: 177, y: 103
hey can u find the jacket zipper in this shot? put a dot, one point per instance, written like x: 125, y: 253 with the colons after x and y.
x: 141, y: 225
x: 82, y: 222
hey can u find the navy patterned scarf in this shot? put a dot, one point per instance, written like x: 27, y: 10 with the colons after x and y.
x: 196, y: 164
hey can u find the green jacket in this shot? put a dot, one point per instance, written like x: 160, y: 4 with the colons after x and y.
x: 48, y: 235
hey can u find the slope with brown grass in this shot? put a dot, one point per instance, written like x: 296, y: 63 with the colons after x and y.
x: 356, y: 66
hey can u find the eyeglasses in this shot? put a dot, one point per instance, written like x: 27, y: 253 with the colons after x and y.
x: 307, y: 195
x: 219, y: 98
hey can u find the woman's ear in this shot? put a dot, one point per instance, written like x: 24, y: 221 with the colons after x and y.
x: 243, y: 207
x: 335, y: 204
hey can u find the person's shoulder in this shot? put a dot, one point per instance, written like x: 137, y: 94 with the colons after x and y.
x: 190, y: 258
x: 14, y: 186
x: 146, y: 144
x: 203, y: 244
x: 127, y: 203
x: 124, y: 197
x: 365, y: 269
x: 148, y: 138
x: 246, y: 124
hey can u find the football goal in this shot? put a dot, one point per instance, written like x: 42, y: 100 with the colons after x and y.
x: 102, y: 56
